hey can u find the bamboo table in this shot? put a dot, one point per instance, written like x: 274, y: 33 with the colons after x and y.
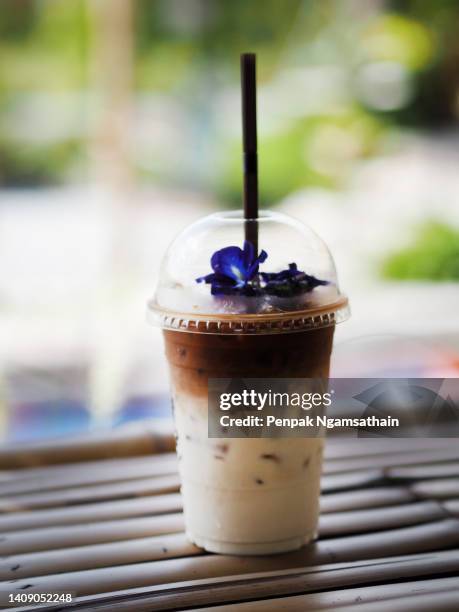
x: 110, y: 531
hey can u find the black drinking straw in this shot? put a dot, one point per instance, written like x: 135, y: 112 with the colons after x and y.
x: 249, y: 138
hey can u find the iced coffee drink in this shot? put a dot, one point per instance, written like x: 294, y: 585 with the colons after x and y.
x: 269, y: 314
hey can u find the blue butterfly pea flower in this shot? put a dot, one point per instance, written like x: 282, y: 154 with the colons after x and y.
x: 289, y: 282
x: 233, y: 269
x: 236, y: 272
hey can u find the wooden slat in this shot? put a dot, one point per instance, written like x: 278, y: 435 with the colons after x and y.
x: 110, y: 470
x: 364, y: 498
x: 393, y: 460
x: 424, y: 471
x: 376, y: 519
x: 451, y: 506
x: 66, y: 477
x: 447, y: 601
x: 143, y: 439
x: 391, y: 594
x: 351, y: 456
x: 114, y: 470
x: 343, y: 448
x: 104, y: 472
x: 409, y: 540
x: 105, y: 465
x: 351, y: 480
x: 157, y: 504
x: 79, y: 495
x: 78, y: 529
x: 437, y: 489
x: 51, y: 538
x: 269, y: 584
x: 98, y: 555
x: 443, y: 601
x: 149, y: 486
x: 135, y: 474
x: 438, y: 601
x: 335, y: 524
x: 108, y: 510
x: 100, y: 472
x: 88, y: 513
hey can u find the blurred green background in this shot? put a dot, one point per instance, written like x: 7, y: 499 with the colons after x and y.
x: 120, y: 123
x: 355, y: 73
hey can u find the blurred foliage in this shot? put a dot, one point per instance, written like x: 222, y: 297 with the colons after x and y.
x: 44, y: 45
x: 319, y: 150
x: 434, y: 255
x: 398, y: 60
x: 17, y: 19
x: 395, y: 38
x: 31, y: 166
x: 44, y: 48
x: 206, y: 33
x: 436, y: 82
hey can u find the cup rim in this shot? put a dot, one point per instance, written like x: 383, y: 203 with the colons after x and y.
x: 262, y: 323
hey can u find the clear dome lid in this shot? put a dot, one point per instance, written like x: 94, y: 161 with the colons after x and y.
x: 214, y: 279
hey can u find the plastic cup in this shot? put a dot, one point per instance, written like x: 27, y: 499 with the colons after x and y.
x: 246, y: 496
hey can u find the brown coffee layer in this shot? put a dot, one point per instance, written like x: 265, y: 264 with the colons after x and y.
x: 194, y: 357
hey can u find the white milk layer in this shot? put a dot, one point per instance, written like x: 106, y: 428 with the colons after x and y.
x: 245, y: 496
